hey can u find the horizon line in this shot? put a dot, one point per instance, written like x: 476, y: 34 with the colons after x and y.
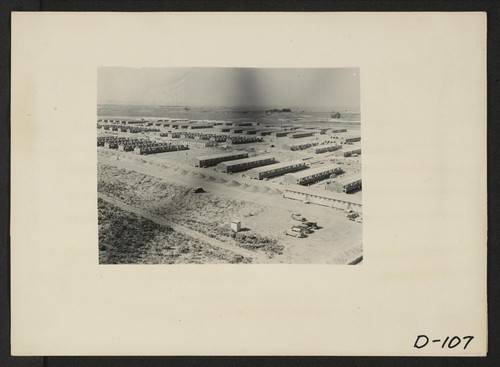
x: 201, y: 106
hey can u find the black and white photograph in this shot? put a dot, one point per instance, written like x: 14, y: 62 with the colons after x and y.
x: 229, y: 166
x: 263, y: 184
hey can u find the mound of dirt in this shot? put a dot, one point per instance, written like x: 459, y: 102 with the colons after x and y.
x: 274, y: 192
x: 220, y: 180
x: 233, y: 183
x: 210, y: 178
x: 253, y: 189
x: 263, y: 189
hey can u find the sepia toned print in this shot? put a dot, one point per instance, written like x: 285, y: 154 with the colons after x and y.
x: 229, y: 165
x: 424, y: 229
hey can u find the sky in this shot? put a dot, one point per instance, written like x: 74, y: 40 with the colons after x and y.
x: 230, y: 87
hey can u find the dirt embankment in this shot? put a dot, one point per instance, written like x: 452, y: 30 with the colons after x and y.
x: 203, y: 212
x: 125, y: 238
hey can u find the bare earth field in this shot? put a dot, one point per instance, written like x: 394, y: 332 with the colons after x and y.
x: 149, y: 211
x: 159, y: 192
x: 127, y: 238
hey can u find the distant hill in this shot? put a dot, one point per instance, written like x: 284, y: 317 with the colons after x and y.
x: 277, y: 110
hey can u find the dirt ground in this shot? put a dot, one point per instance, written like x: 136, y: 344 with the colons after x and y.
x: 164, y: 186
x: 160, y: 188
x: 126, y: 238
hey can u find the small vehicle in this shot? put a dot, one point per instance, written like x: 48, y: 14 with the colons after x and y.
x: 313, y: 225
x: 303, y: 220
x: 295, y: 234
x: 353, y: 216
x: 299, y: 217
x: 302, y: 228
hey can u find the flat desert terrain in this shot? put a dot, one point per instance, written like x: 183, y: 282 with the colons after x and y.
x: 161, y: 209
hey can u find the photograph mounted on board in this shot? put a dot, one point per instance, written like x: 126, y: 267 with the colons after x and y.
x: 229, y: 166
